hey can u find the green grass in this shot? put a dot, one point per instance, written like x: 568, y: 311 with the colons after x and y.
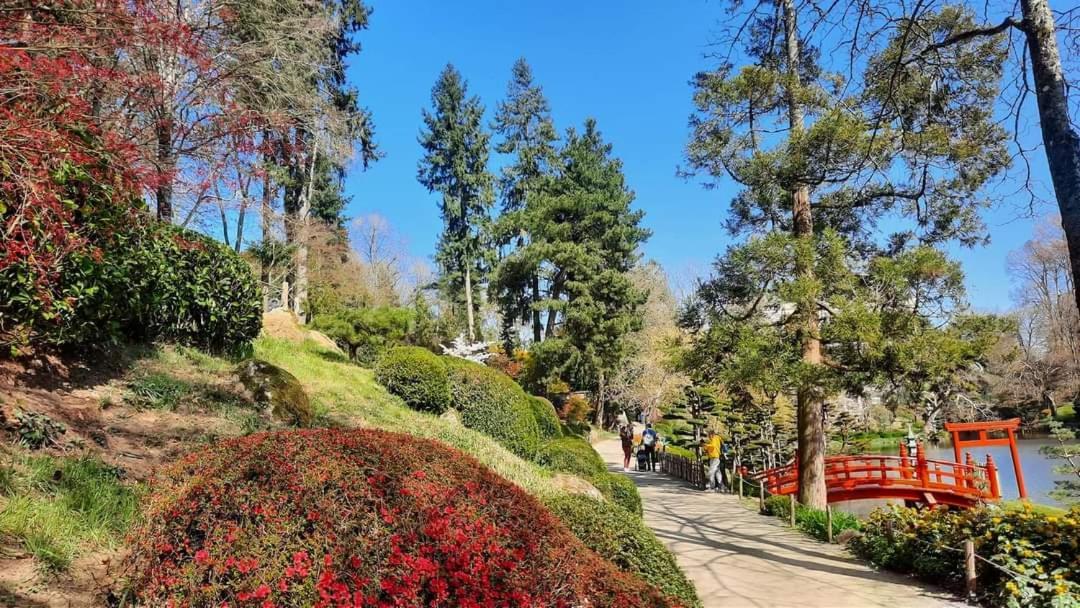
x: 1018, y: 505
x: 349, y: 395
x: 57, y: 507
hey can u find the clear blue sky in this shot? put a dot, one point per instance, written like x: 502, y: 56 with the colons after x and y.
x: 626, y: 63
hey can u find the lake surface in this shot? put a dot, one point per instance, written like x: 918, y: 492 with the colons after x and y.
x: 1038, y: 469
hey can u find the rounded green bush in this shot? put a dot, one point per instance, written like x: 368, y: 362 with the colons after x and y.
x: 416, y: 375
x: 622, y: 538
x: 571, y: 455
x: 489, y: 401
x: 619, y: 489
x: 546, y: 417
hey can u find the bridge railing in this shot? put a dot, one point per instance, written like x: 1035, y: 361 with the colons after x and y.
x: 859, y: 475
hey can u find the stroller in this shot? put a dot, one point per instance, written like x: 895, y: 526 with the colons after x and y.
x: 642, y: 459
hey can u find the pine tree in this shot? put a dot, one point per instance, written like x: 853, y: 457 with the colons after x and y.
x: 524, y: 122
x: 455, y: 165
x: 917, y: 141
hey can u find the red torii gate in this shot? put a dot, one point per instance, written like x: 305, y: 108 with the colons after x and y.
x: 981, y: 431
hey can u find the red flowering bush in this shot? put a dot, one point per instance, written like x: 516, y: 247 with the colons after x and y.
x: 335, y: 518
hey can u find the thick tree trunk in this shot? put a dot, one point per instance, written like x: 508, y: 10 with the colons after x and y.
x: 300, y: 280
x: 552, y: 313
x: 469, y: 302
x: 1061, y: 141
x: 537, y: 327
x: 810, y: 408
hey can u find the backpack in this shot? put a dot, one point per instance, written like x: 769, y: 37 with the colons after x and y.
x: 648, y: 437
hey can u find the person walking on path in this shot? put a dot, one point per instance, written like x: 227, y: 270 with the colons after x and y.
x: 626, y: 436
x: 713, y: 450
x: 649, y: 439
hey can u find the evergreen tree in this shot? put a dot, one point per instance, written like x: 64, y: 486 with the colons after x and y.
x: 524, y: 122
x: 917, y: 141
x: 584, y: 228
x: 455, y: 165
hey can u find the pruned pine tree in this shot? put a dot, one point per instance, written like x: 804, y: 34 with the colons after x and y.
x: 852, y: 155
x: 523, y: 122
x: 455, y: 165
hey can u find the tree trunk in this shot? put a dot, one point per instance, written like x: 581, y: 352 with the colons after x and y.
x: 166, y: 164
x: 300, y: 281
x: 811, y: 419
x: 552, y: 313
x: 264, y: 220
x: 599, y: 418
x: 1061, y: 141
x: 537, y: 328
x: 469, y: 302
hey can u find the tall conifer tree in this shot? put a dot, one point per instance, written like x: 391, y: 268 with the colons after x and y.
x: 455, y: 165
x: 528, y: 133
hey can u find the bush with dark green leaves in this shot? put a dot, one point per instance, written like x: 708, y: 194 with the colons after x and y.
x: 143, y: 281
x: 619, y: 489
x: 812, y: 521
x: 489, y: 401
x: 621, y: 537
x: 571, y: 455
x: 417, y: 375
x: 546, y: 417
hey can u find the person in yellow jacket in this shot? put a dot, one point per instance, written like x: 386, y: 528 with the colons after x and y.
x: 713, y: 447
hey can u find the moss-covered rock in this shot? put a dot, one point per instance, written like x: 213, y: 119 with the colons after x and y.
x: 279, y: 390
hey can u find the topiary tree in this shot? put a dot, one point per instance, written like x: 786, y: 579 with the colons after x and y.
x: 335, y: 518
x: 490, y: 402
x: 416, y: 375
x: 367, y: 332
x: 547, y: 420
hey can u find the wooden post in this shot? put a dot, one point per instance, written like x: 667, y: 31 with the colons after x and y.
x: 828, y: 523
x: 761, y: 496
x: 969, y: 567
x: 740, y: 486
x: 791, y: 503
x: 1016, y: 465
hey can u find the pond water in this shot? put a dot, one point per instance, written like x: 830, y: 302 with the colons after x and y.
x: 1038, y: 469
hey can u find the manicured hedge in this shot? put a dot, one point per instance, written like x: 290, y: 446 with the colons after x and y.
x: 571, y: 455
x: 621, y: 537
x: 1041, y: 547
x: 335, y: 518
x: 489, y: 401
x: 546, y: 417
x: 619, y: 489
x: 416, y: 375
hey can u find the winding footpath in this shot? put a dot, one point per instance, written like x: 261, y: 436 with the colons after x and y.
x: 737, y: 558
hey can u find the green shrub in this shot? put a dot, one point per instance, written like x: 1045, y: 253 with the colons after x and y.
x: 812, y: 521
x: 416, y: 375
x: 928, y: 542
x: 147, y: 281
x: 546, y: 418
x: 619, y: 489
x: 621, y: 537
x: 571, y: 455
x: 491, y: 402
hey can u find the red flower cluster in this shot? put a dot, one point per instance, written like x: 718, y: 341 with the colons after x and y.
x: 351, y: 518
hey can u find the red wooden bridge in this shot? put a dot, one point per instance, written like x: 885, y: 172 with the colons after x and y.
x: 913, y: 479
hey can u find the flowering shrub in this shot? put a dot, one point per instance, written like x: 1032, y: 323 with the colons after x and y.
x: 619, y: 536
x: 575, y: 409
x: 490, y: 402
x: 1041, y: 551
x: 336, y: 518
x: 417, y: 375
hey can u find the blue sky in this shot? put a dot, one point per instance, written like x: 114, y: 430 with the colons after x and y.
x: 626, y: 63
